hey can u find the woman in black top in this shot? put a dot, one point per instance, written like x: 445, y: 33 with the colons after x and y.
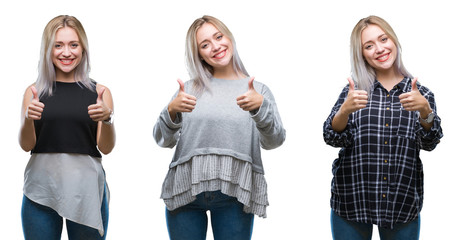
x: 66, y: 122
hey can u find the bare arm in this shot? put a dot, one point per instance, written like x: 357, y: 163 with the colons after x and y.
x: 99, y: 112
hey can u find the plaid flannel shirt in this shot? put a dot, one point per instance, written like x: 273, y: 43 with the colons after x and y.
x: 378, y: 175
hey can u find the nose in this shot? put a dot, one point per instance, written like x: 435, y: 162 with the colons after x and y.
x: 66, y: 51
x: 215, y: 46
x: 379, y: 48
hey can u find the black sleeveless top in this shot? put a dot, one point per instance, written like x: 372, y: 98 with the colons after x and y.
x: 65, y: 126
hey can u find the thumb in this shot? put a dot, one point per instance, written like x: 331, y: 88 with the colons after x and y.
x: 352, y: 84
x: 100, y: 95
x: 34, y: 92
x: 251, y: 83
x: 181, y: 85
x: 414, y: 85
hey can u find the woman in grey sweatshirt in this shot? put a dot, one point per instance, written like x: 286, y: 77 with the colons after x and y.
x: 217, y: 121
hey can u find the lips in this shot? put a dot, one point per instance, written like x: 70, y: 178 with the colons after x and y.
x: 66, y: 61
x: 383, y: 57
x: 220, y: 55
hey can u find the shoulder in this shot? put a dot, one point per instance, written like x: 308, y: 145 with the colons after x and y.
x: 189, y: 83
x: 100, y: 87
x: 28, y: 88
x: 28, y: 91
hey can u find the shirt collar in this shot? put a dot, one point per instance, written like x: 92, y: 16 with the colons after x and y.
x: 403, y: 85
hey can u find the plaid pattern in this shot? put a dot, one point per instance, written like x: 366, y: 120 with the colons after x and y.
x: 378, y: 176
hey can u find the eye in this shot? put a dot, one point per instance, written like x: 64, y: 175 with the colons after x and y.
x: 384, y: 39
x: 368, y: 46
x: 205, y: 45
x: 219, y: 37
x: 57, y: 45
x: 74, y: 45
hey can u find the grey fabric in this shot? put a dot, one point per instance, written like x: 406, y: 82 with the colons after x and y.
x: 218, y: 126
x: 71, y: 184
x: 218, y: 146
x: 211, y: 173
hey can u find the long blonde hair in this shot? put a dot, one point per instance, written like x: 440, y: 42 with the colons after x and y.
x: 361, y: 72
x: 200, y: 71
x: 46, y: 69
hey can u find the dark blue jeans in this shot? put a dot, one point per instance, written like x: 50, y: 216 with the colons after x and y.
x: 343, y: 229
x: 229, y: 221
x: 43, y: 223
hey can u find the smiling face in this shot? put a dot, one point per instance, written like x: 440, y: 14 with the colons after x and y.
x: 67, y: 51
x: 215, y: 48
x: 378, y: 49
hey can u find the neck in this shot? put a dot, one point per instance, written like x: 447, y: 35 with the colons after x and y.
x: 389, y: 78
x: 227, y: 73
x: 65, y: 77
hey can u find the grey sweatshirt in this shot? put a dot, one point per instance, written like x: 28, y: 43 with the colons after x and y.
x: 219, y: 126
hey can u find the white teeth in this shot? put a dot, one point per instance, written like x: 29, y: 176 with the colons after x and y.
x: 383, y: 57
x: 220, y: 54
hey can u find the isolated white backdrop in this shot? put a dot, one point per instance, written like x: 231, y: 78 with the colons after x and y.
x: 300, y: 49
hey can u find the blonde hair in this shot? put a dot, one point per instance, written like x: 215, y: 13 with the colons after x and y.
x: 200, y: 71
x: 46, y: 69
x: 361, y: 72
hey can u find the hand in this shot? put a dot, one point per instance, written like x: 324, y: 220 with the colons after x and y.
x: 414, y: 101
x: 250, y: 100
x: 35, y: 108
x: 356, y: 99
x: 99, y: 111
x: 182, y: 103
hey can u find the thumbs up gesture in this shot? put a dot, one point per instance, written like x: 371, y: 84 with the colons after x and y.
x: 35, y: 108
x: 182, y: 103
x: 251, y: 100
x: 99, y: 111
x: 356, y: 99
x: 413, y: 100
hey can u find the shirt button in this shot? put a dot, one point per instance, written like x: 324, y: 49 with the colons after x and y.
x: 384, y: 178
x: 386, y: 142
x: 386, y: 125
x: 388, y: 108
x: 383, y: 195
x: 386, y: 161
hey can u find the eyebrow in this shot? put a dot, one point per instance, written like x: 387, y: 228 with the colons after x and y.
x: 205, y: 40
x: 69, y: 42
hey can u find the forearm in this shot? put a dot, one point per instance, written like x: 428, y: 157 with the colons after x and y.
x: 269, y: 124
x: 107, y: 138
x: 340, y: 121
x: 165, y: 130
x: 27, y: 137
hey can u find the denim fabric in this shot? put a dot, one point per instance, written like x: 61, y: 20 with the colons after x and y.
x: 343, y: 229
x: 43, y: 223
x: 229, y: 221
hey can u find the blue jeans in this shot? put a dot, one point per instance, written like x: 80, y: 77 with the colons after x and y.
x: 343, y: 229
x: 43, y: 223
x: 229, y: 221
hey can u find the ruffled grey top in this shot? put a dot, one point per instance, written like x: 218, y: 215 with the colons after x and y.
x: 71, y: 184
x: 231, y: 176
x: 218, y: 145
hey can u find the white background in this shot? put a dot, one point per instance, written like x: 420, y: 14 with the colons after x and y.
x: 300, y: 49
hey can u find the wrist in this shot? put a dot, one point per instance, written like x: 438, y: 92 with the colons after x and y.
x: 110, y: 119
x: 425, y: 112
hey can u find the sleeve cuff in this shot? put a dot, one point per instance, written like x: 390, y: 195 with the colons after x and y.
x: 168, y: 121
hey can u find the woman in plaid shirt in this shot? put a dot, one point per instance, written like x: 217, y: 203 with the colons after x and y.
x: 381, y: 120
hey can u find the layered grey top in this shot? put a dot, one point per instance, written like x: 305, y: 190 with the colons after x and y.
x: 224, y: 138
x: 69, y: 183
